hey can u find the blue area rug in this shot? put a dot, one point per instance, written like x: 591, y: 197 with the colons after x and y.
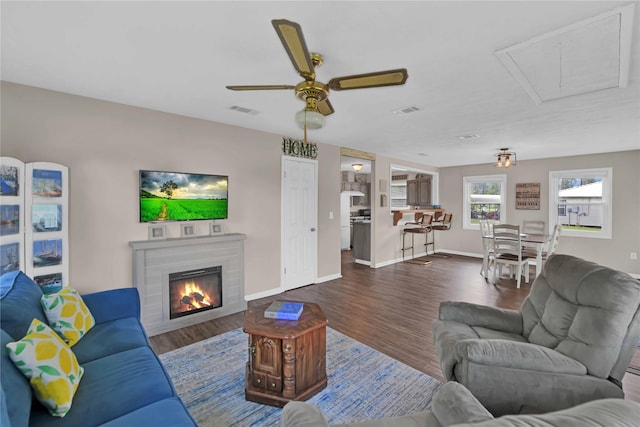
x: 363, y: 383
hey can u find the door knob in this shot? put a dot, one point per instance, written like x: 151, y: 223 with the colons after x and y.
x: 313, y: 229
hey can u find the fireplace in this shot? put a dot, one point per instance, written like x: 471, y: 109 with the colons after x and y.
x: 155, y: 260
x: 194, y: 291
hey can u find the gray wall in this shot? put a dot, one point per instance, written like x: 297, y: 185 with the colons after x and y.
x: 626, y: 205
x: 105, y: 144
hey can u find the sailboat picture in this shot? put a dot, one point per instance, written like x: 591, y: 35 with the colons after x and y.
x: 47, y: 252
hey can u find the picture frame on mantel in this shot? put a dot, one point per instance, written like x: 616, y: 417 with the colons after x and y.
x: 187, y: 230
x: 216, y: 229
x: 157, y: 232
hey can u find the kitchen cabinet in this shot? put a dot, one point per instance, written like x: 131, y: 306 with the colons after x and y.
x: 357, y: 182
x: 362, y: 240
x: 419, y: 192
x: 363, y: 200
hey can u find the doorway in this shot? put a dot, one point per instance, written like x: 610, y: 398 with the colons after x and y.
x: 299, y: 222
x: 356, y: 195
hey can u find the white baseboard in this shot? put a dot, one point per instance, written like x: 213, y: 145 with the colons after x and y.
x: 397, y: 260
x: 461, y: 253
x: 327, y: 278
x: 389, y: 262
x: 280, y: 289
x: 263, y: 294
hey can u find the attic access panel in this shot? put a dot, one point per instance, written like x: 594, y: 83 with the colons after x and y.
x: 584, y: 57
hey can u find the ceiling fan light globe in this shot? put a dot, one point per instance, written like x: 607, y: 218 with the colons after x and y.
x: 313, y: 119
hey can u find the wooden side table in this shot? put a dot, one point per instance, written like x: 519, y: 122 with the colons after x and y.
x: 287, y: 358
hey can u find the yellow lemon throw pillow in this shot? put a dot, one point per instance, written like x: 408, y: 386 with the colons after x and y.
x: 67, y: 314
x: 48, y: 362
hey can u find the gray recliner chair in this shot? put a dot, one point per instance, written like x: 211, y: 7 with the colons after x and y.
x: 453, y: 405
x: 571, y: 341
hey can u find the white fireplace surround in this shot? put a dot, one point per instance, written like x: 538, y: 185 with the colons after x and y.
x: 154, y: 260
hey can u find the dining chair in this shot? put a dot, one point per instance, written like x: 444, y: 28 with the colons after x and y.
x: 487, y: 246
x: 533, y: 227
x: 552, y: 245
x: 507, y: 247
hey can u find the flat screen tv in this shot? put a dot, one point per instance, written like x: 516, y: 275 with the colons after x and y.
x: 176, y: 196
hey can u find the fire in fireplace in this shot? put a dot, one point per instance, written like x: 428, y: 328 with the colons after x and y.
x: 194, y: 291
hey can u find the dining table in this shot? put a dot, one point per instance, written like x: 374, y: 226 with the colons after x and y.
x: 537, y: 241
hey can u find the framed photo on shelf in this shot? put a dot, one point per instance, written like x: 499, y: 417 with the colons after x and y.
x: 157, y: 232
x: 46, y: 183
x: 10, y: 257
x: 49, y: 283
x: 9, y: 220
x: 187, y: 230
x: 216, y: 229
x: 46, y: 217
x: 9, y: 180
x: 47, y: 252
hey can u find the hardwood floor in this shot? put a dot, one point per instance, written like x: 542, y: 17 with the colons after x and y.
x: 389, y: 308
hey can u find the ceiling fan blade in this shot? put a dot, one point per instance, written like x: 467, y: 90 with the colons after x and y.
x: 292, y: 39
x: 261, y: 87
x: 324, y: 107
x: 380, y: 78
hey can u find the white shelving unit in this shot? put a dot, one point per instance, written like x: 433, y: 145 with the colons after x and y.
x: 12, y: 214
x: 42, y: 238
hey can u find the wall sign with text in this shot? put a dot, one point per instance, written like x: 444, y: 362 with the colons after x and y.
x: 297, y: 148
x: 528, y: 196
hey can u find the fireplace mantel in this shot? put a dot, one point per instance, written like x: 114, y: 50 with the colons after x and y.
x: 185, y: 241
x: 154, y: 260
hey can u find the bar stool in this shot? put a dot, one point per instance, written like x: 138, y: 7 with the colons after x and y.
x: 422, y: 226
x: 441, y: 226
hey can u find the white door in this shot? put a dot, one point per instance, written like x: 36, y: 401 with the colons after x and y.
x: 299, y: 222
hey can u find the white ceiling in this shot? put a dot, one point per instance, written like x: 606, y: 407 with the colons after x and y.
x: 177, y: 57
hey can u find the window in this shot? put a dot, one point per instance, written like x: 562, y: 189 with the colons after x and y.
x: 580, y: 200
x: 485, y: 197
x: 399, y: 191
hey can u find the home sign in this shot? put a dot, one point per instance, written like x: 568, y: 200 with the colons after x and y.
x: 297, y: 148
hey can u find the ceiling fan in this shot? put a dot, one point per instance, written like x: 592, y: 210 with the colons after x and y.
x: 315, y: 94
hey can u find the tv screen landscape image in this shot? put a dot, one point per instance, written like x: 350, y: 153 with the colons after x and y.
x: 176, y: 196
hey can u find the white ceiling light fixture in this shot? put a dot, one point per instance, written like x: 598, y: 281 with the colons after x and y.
x: 310, y: 118
x: 357, y: 166
x: 506, y: 158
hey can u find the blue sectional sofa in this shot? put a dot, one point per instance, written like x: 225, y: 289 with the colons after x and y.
x: 124, y: 383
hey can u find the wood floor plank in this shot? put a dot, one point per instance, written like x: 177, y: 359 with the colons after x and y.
x: 389, y: 309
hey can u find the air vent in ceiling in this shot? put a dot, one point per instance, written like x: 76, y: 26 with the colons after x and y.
x: 406, y: 110
x: 244, y: 110
x: 469, y: 136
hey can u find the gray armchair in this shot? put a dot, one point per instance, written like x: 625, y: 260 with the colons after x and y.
x: 571, y: 341
x: 453, y: 405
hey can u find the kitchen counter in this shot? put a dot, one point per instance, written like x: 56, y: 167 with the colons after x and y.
x: 362, y: 240
x: 419, y: 213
